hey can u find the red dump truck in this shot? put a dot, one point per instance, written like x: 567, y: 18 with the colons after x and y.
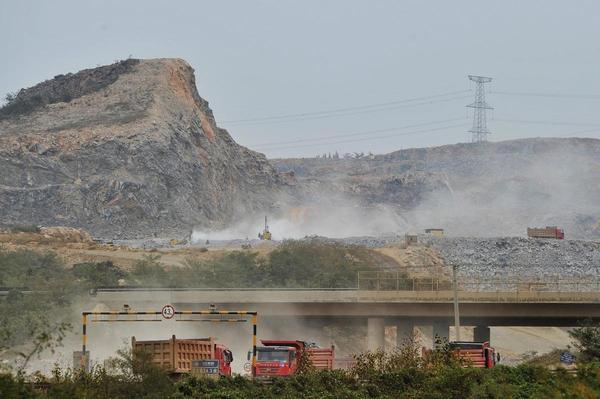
x: 475, y: 354
x: 183, y: 356
x: 546, y: 232
x: 279, y: 358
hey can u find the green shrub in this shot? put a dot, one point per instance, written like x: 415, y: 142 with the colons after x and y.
x: 587, y: 340
x: 410, y: 382
x: 38, y: 315
x: 99, y: 274
x: 24, y: 228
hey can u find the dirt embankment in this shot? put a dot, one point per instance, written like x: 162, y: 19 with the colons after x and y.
x: 77, y: 246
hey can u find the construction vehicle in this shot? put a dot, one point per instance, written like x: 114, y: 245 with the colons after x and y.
x: 473, y: 354
x: 184, y: 356
x: 266, y: 234
x: 435, y: 232
x: 547, y: 232
x: 280, y: 358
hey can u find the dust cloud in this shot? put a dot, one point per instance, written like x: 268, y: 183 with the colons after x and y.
x: 551, y: 190
x: 499, y: 192
x: 344, y: 220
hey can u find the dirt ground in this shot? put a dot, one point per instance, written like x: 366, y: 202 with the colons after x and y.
x: 77, y: 248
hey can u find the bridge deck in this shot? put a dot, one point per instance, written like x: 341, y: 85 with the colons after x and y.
x: 341, y: 296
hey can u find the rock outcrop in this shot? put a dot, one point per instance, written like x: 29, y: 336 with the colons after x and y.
x: 125, y: 150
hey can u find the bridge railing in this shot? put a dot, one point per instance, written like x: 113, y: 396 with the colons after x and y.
x: 397, y: 281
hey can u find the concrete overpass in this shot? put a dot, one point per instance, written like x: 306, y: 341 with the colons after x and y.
x: 403, y: 309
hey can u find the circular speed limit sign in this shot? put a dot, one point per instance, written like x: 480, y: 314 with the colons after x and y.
x: 168, y: 311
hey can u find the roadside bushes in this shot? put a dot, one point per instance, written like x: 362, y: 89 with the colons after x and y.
x: 587, y: 339
x: 401, y: 374
x: 444, y: 382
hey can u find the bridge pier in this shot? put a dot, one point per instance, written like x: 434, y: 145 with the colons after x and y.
x: 481, y: 334
x: 441, y: 330
x: 375, y: 333
x: 404, y: 331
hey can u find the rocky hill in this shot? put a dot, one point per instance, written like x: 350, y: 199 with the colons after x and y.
x: 125, y: 150
x: 488, y: 189
x: 130, y: 150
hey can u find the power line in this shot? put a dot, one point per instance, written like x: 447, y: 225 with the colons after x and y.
x: 276, y: 143
x: 336, y: 111
x: 352, y: 113
x: 371, y: 138
x: 550, y: 95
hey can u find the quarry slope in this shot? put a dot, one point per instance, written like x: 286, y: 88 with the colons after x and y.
x: 486, y: 190
x: 125, y: 150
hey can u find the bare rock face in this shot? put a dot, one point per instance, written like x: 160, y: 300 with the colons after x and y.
x: 125, y: 150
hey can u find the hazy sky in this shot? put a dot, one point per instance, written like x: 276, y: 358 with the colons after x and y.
x: 256, y: 59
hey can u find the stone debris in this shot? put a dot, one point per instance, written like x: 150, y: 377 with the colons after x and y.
x: 526, y: 258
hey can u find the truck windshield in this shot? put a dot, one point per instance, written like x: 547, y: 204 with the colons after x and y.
x: 273, y: 355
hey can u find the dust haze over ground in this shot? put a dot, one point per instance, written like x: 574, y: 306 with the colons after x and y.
x: 344, y: 220
x: 492, y: 189
x: 557, y: 189
x: 106, y: 338
x: 499, y: 197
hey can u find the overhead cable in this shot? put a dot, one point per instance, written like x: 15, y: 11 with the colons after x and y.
x: 336, y: 111
x: 371, y: 138
x: 366, y: 132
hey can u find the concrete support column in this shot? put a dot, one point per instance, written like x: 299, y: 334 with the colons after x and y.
x: 404, y: 331
x: 375, y: 333
x: 425, y: 335
x: 481, y: 334
x: 441, y: 330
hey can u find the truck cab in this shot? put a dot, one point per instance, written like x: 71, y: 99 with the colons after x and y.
x: 275, y: 361
x: 225, y: 357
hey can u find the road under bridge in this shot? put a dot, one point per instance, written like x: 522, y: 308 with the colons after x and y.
x: 376, y: 309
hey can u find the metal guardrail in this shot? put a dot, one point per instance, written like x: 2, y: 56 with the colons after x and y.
x: 397, y: 281
x: 204, y: 289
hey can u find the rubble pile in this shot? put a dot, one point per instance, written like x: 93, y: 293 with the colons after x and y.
x: 525, y: 258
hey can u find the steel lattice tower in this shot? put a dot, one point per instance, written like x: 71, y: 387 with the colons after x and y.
x: 479, y: 130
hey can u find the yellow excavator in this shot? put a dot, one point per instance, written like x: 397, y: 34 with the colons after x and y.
x: 266, y: 234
